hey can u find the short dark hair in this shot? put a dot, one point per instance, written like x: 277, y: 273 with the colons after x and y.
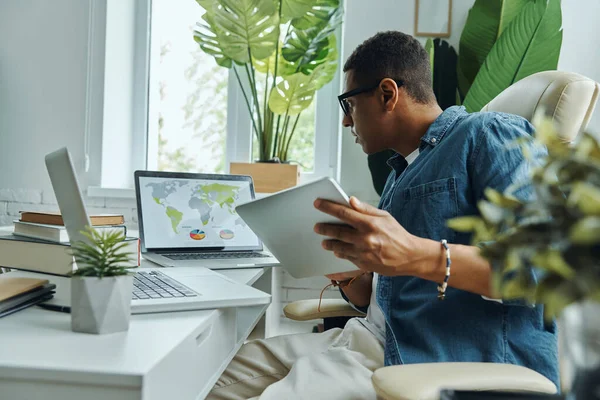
x: 394, y: 55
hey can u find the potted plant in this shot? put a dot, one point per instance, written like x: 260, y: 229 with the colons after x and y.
x: 558, y: 235
x: 102, y: 286
x: 281, y: 53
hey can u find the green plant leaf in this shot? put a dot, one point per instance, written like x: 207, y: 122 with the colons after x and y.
x: 501, y: 200
x: 284, y: 68
x: 531, y: 43
x: 325, y: 70
x: 585, y: 197
x: 586, y: 231
x: 490, y: 212
x: 321, y: 12
x: 293, y: 94
x: 102, y: 255
x: 251, y: 26
x: 486, y: 21
x: 553, y: 261
x: 464, y: 224
x: 291, y: 9
x: 308, y: 47
x: 210, y: 38
x: 429, y: 48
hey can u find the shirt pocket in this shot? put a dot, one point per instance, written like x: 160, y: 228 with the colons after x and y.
x: 424, y: 209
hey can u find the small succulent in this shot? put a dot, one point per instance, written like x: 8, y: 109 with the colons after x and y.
x: 557, y: 234
x: 102, y: 256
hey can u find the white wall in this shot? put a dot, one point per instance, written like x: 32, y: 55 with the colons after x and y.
x: 43, y: 58
x: 580, y: 50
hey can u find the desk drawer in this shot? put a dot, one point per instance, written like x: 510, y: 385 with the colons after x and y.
x: 197, y: 361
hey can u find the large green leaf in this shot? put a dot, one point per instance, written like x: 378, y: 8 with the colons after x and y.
x: 486, y: 20
x: 325, y: 71
x: 291, y: 9
x: 251, y: 26
x: 429, y: 48
x: 531, y: 43
x: 284, y: 67
x: 293, y: 95
x: 550, y: 31
x: 321, y: 12
x: 210, y: 38
x: 307, y: 47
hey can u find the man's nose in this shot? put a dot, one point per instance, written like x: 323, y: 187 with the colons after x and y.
x: 347, y: 121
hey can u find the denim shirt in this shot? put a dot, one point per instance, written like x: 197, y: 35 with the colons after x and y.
x: 461, y: 154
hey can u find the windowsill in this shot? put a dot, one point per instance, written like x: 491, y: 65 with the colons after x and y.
x: 97, y: 191
x: 121, y: 193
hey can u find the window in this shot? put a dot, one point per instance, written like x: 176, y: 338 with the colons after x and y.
x: 191, y: 115
x: 169, y: 106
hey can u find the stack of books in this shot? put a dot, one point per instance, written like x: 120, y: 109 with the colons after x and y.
x: 39, y: 242
x: 19, y: 293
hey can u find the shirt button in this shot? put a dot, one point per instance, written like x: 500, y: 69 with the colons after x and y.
x: 433, y: 140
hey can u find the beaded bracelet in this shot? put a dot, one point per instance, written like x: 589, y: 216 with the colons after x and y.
x: 442, y: 288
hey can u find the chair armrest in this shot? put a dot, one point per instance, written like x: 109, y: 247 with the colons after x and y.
x: 425, y: 381
x: 306, y: 310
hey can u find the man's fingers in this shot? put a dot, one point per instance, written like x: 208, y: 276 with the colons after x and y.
x: 365, y: 208
x: 344, y: 233
x: 341, y: 212
x: 337, y: 246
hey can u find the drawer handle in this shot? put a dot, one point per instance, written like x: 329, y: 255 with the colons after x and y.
x: 201, y: 338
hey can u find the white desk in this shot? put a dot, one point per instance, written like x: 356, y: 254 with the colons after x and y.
x: 176, y: 355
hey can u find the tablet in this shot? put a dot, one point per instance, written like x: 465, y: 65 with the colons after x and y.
x: 285, y: 223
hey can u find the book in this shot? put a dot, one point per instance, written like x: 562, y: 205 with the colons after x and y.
x: 54, y: 218
x: 11, y: 287
x: 54, y: 233
x: 52, y: 258
x: 17, y: 293
x: 27, y: 296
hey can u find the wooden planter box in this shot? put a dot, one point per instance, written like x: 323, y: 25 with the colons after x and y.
x: 268, y: 177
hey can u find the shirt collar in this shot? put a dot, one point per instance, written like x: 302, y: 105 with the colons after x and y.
x: 436, y: 131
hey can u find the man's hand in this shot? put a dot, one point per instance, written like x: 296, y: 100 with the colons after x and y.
x: 373, y: 240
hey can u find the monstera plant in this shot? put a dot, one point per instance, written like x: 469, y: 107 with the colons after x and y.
x: 281, y: 52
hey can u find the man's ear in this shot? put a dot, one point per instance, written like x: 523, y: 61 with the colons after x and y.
x: 390, y: 92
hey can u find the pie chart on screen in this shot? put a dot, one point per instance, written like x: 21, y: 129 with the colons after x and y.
x: 226, y: 234
x: 197, y: 234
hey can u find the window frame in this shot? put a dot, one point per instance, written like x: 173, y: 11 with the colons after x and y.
x: 128, y: 47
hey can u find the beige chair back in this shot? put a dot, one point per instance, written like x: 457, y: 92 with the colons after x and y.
x: 566, y: 97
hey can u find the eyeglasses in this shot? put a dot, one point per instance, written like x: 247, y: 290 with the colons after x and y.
x: 342, y: 98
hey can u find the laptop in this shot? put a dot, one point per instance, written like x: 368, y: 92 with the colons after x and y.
x: 190, y: 219
x: 155, y: 289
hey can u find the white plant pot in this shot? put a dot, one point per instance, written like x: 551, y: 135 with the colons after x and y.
x: 101, y: 305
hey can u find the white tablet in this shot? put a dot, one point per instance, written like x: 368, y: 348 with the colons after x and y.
x: 285, y: 223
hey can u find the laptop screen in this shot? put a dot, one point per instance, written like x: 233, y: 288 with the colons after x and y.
x: 179, y: 212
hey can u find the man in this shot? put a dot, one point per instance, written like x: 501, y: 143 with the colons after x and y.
x: 444, y: 162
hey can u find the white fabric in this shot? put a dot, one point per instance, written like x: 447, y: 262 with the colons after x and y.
x: 336, y: 364
x: 375, y: 321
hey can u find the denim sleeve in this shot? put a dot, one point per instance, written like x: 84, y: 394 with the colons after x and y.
x: 498, y: 162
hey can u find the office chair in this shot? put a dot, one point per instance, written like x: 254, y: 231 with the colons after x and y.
x: 569, y: 100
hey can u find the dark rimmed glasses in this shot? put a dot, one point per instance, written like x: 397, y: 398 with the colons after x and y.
x: 342, y: 97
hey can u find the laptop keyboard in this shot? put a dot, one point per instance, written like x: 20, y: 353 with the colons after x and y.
x: 211, y: 256
x: 156, y: 285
